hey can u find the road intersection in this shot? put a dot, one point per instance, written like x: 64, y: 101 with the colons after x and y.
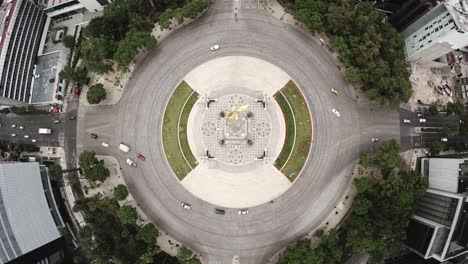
x: 137, y: 120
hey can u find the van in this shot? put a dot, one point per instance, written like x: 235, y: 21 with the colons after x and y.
x: 124, y: 147
x: 45, y: 131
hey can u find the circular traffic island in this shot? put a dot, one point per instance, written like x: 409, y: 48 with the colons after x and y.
x: 235, y: 139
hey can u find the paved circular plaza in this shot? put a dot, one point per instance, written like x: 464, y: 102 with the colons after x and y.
x: 295, y: 210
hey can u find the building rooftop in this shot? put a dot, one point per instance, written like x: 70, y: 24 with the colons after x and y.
x: 27, y: 222
x: 459, y: 11
x: 446, y: 174
x: 46, y: 86
x: 6, y: 13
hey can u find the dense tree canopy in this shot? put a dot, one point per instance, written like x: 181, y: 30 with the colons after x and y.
x: 112, y: 241
x: 55, y: 172
x: 129, y: 47
x: 380, y: 214
x: 127, y: 214
x: 190, y: 10
x: 367, y: 44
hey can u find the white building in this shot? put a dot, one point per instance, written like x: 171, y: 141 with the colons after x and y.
x: 441, y: 30
x: 63, y: 8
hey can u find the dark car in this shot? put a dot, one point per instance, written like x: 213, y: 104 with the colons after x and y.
x: 219, y: 211
x: 141, y: 157
x: 72, y: 117
x: 94, y: 136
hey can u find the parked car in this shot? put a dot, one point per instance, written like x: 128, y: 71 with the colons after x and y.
x: 336, y: 113
x: 375, y: 139
x: 334, y: 91
x: 420, y: 115
x: 13, y: 126
x: 243, y: 212
x: 219, y: 211
x: 104, y: 144
x: 406, y: 121
x: 141, y: 157
x: 33, y: 140
x: 214, y: 47
x: 444, y: 139
x: 131, y: 163
x: 21, y: 127
x: 13, y: 135
x: 72, y: 117
x: 26, y: 136
x: 94, y: 136
x: 422, y: 120
x: 56, y: 121
x: 185, y: 206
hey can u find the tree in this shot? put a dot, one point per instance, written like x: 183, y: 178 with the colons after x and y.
x: 87, y: 159
x: 436, y: 148
x: 361, y: 205
x: 301, y: 253
x: 97, y: 173
x: 455, y: 108
x: 352, y: 75
x: 69, y: 41
x: 148, y: 233
x: 73, y: 75
x: 452, y: 129
x: 184, y: 254
x: 365, y: 160
x: 433, y: 110
x: 129, y: 47
x: 120, y: 192
x: 96, y: 53
x: 127, y: 214
x: 55, y: 172
x: 96, y: 94
x: 388, y: 156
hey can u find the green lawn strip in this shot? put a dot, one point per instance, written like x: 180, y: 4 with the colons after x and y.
x: 170, y: 142
x: 303, y: 131
x: 289, y: 139
x: 183, y: 130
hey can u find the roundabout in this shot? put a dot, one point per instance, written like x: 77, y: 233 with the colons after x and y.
x: 297, y: 205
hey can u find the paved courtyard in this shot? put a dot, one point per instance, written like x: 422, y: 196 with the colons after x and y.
x: 236, y: 156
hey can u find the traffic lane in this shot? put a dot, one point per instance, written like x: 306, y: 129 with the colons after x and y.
x: 31, y: 125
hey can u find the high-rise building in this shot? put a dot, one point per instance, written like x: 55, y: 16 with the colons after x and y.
x: 438, y: 228
x: 441, y: 30
x: 401, y: 13
x: 29, y: 216
x: 63, y: 8
x: 21, y: 28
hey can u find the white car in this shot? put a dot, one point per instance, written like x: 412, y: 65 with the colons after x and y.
x: 406, y: 121
x: 185, y: 206
x: 131, y: 163
x: 444, y: 139
x: 13, y: 135
x: 33, y: 140
x: 21, y: 127
x: 26, y: 136
x: 335, y: 112
x: 334, y: 91
x: 13, y: 126
x: 243, y: 212
x: 215, y: 47
x: 419, y: 114
x: 56, y: 121
x: 104, y: 144
x: 422, y: 120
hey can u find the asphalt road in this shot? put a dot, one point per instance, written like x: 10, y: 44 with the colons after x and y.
x: 413, y: 137
x: 137, y: 121
x: 31, y: 125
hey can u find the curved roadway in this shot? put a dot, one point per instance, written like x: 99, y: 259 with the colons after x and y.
x: 137, y: 121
